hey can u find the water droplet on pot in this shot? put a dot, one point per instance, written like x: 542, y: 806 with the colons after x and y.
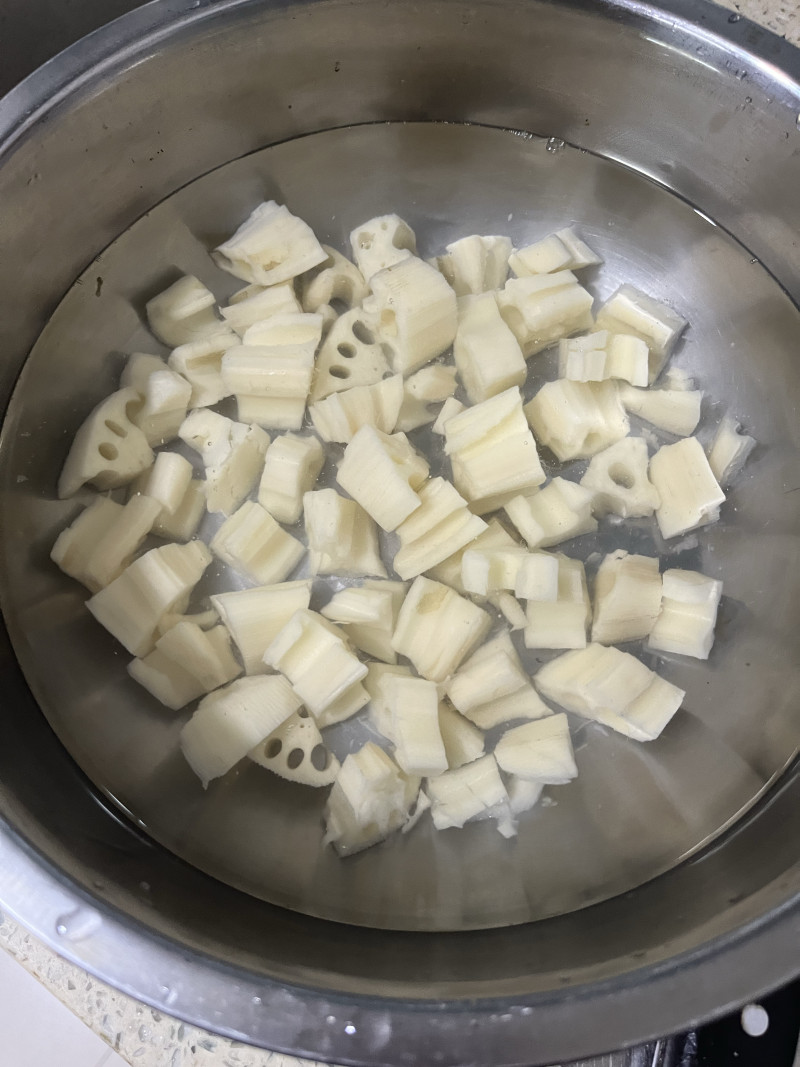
x: 78, y: 924
x: 349, y: 1029
x: 735, y: 17
x: 755, y: 1020
x: 555, y: 144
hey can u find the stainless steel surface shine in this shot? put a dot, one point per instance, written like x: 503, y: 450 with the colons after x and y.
x: 635, y: 810
x: 715, y: 929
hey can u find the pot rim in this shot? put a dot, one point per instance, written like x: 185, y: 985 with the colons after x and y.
x: 125, y: 953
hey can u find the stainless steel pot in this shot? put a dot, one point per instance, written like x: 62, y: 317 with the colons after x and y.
x: 706, y: 106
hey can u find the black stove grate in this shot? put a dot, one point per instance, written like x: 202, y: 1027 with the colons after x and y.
x: 726, y: 1042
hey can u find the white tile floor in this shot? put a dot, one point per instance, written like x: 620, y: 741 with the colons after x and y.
x: 38, y: 1031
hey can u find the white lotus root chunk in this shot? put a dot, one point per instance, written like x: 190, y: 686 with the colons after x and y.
x: 474, y: 264
x: 166, y: 680
x: 342, y: 538
x: 131, y: 606
x: 381, y: 242
x: 538, y: 751
x: 537, y: 576
x: 613, y: 688
x: 729, y: 450
x: 510, y: 608
x: 119, y: 542
x: 182, y: 524
x: 167, y: 481
x: 138, y: 368
x: 314, y: 655
x: 74, y: 546
x: 230, y: 722
x: 489, y: 570
x: 450, y: 570
x: 291, y: 468
x: 252, y: 542
x: 370, y: 799
x: 351, y: 355
x: 618, y: 478
x: 274, y: 412
x: 562, y: 250
x: 270, y: 246
x: 436, y: 628
x: 415, y: 312
x: 428, y: 386
x: 559, y: 512
x: 674, y: 410
x: 365, y: 604
x: 255, y: 616
x: 252, y: 289
x: 631, y: 311
x: 561, y: 623
x: 275, y: 363
x: 164, y: 408
x: 627, y: 598
x: 341, y: 415
x: 300, y: 333
x: 200, y: 363
x: 463, y: 741
x: 413, y: 704
x: 576, y: 420
x: 165, y: 396
x: 688, y: 614
x: 335, y: 281
x: 543, y: 308
x: 689, y: 493
x: 492, y: 687
x: 206, y: 620
x: 523, y: 794
x: 186, y: 663
x: 102, y: 540
x: 368, y: 615
x: 257, y: 303
x: 183, y: 313
x: 376, y: 683
x: 108, y: 450
x: 487, y: 354
x: 232, y: 453
x: 383, y: 474
x: 439, y: 527
x: 602, y: 355
x: 449, y: 408
x: 474, y: 791
x: 492, y: 452
x: 296, y: 751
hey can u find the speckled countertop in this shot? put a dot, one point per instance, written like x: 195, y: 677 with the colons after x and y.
x: 148, y: 1038
x: 780, y: 16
